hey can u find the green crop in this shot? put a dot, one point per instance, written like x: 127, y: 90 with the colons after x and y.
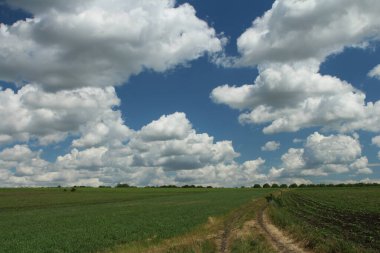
x: 331, y: 219
x: 89, y: 219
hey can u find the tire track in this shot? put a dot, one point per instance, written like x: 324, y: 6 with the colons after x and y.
x: 277, y: 239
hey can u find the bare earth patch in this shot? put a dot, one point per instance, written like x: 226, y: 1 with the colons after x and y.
x: 279, y: 240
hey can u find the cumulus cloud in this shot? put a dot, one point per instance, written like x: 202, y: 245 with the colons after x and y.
x: 94, y: 43
x: 290, y: 99
x: 375, y: 72
x: 299, y: 31
x: 166, y: 151
x: 376, y: 140
x: 271, y: 146
x: 174, y: 126
x: 31, y: 113
x: 171, y: 143
x: 232, y: 174
x: 288, y: 44
x: 322, y: 156
x: 22, y: 161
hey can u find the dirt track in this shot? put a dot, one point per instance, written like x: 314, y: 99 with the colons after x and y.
x: 278, y: 239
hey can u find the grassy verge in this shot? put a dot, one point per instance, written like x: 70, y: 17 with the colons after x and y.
x: 330, y: 220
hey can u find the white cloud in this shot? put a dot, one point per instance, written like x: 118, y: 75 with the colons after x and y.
x: 288, y: 44
x: 322, y: 156
x: 18, y: 153
x: 22, y: 161
x: 31, y: 113
x: 333, y: 149
x: 181, y: 157
x: 90, y: 159
x: 297, y: 140
x: 297, y: 31
x: 376, y: 140
x: 271, y: 146
x: 174, y: 126
x: 290, y: 99
x: 231, y: 174
x: 375, y: 72
x: 171, y: 143
x: 94, y: 43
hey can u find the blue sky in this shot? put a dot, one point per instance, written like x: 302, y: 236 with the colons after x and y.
x: 92, y: 101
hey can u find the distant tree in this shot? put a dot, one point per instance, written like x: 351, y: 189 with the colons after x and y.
x: 275, y: 186
x: 293, y: 186
x: 209, y: 186
x: 120, y: 185
x: 302, y: 186
x: 266, y: 185
x: 283, y: 186
x: 188, y: 186
x: 257, y: 186
x: 168, y: 186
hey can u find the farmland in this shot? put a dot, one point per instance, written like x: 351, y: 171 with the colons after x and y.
x: 92, y: 219
x: 331, y: 219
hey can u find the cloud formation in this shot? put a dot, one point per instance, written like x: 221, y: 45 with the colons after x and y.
x: 94, y: 43
x: 375, y: 72
x: 165, y: 151
x: 299, y: 31
x: 288, y: 44
x: 290, y: 99
x: 31, y: 113
x: 271, y: 146
x: 322, y: 156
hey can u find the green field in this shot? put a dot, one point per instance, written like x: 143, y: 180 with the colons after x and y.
x: 91, y: 219
x: 331, y: 219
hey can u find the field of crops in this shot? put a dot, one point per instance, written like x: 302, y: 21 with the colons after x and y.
x: 331, y: 219
x: 90, y: 219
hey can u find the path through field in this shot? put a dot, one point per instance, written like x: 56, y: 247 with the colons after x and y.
x: 229, y: 230
x: 279, y: 240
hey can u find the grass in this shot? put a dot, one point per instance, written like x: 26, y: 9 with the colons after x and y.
x: 91, y: 220
x: 236, y: 231
x: 331, y: 219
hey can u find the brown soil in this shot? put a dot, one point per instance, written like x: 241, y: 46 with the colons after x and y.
x: 279, y: 240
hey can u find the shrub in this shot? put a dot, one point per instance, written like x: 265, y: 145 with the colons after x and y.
x: 122, y: 185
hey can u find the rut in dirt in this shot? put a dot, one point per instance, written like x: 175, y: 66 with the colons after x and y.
x: 277, y: 239
x: 225, y: 235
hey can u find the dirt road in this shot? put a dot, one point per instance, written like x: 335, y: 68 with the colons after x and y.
x: 278, y: 239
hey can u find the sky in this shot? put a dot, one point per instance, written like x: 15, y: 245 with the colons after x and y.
x: 152, y: 92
